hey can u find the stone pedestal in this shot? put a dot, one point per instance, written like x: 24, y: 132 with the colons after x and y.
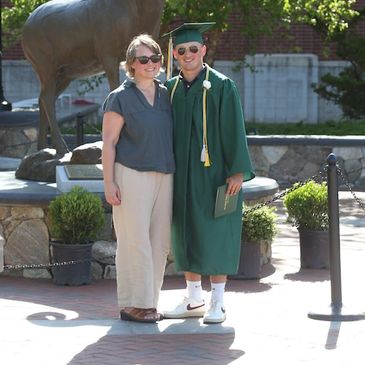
x: 64, y: 184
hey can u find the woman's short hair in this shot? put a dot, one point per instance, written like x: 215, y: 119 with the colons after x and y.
x: 140, y: 40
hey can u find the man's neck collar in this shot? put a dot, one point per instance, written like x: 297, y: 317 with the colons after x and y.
x: 190, y: 78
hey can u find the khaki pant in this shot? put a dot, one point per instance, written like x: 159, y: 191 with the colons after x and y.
x: 142, y: 224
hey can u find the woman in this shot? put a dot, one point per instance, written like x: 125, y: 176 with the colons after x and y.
x: 138, y: 167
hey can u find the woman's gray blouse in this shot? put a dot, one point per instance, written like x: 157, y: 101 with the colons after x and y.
x: 145, y: 142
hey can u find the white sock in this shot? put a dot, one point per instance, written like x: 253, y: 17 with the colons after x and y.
x: 218, y: 291
x: 194, y: 289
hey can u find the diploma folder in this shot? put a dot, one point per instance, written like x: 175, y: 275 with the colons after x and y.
x: 224, y: 204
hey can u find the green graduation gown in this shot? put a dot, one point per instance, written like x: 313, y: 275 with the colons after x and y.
x: 201, y: 243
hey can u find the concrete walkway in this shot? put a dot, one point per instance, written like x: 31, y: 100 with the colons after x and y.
x: 267, y: 318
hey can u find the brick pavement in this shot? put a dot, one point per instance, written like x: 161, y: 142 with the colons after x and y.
x: 267, y: 318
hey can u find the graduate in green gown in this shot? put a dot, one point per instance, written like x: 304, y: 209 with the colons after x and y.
x: 210, y: 150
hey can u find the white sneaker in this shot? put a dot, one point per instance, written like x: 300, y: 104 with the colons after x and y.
x: 188, y: 308
x: 216, y: 313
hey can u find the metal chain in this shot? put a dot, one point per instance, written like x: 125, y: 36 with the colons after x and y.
x: 347, y: 183
x: 318, y: 177
x: 54, y: 264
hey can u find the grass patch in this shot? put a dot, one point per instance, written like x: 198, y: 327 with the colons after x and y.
x: 341, y: 128
x: 88, y: 129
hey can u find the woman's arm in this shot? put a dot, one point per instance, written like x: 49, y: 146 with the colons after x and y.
x: 112, y: 126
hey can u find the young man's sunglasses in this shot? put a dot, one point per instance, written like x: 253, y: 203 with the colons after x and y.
x: 155, y: 58
x: 193, y: 49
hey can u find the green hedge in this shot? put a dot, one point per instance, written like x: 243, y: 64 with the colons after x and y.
x: 342, y: 128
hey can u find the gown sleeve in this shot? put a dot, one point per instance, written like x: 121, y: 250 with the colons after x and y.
x: 233, y: 135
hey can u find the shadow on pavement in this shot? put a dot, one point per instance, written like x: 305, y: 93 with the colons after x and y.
x: 310, y: 275
x: 213, y: 349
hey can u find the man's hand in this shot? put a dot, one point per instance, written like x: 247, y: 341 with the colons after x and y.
x: 234, y: 184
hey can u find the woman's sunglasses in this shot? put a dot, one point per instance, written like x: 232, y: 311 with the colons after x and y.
x: 193, y: 49
x: 155, y: 58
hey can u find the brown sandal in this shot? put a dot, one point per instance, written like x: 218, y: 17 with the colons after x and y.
x: 145, y: 315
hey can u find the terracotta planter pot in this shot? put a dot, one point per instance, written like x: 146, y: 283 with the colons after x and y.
x: 73, y: 274
x: 314, y: 249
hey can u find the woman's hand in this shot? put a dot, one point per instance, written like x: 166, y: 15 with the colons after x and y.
x: 112, y: 193
x: 234, y: 184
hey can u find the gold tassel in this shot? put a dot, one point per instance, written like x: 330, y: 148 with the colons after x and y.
x: 207, y: 160
x: 169, y: 60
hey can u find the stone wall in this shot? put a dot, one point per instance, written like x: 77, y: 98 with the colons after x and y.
x: 289, y: 159
x: 18, y: 142
x: 26, y: 237
x: 26, y: 242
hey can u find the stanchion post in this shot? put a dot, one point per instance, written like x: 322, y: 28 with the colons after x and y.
x: 79, y: 130
x: 336, y: 311
x: 334, y: 232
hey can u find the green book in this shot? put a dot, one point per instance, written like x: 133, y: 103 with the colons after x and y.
x: 224, y: 204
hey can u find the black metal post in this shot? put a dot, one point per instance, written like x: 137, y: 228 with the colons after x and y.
x: 4, y: 104
x: 79, y: 130
x: 336, y: 311
x: 334, y: 232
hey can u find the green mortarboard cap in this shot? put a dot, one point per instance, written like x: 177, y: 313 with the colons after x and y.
x: 189, y: 32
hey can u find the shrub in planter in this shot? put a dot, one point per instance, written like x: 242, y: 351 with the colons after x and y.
x: 259, y: 225
x: 258, y: 231
x: 307, y: 209
x: 76, y: 218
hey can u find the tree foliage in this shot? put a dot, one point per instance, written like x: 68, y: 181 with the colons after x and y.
x: 347, y: 89
x: 258, y: 16
x: 13, y: 17
x: 329, y: 16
